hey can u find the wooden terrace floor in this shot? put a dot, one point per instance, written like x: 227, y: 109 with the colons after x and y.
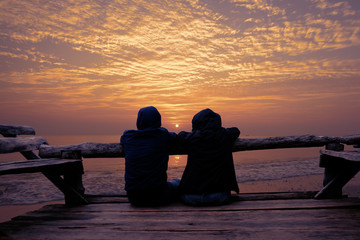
x: 252, y: 217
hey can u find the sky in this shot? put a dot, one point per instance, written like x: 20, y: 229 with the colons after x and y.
x: 268, y: 67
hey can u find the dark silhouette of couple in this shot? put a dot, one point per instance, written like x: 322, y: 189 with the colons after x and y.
x: 209, y: 175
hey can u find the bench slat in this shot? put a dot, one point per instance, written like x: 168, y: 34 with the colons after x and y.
x: 347, y: 155
x: 36, y: 165
x: 21, y: 144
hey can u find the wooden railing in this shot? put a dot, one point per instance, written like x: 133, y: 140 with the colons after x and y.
x: 97, y: 150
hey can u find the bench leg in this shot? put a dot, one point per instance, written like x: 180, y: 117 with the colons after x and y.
x: 333, y: 188
x: 73, y: 178
x: 338, y: 172
x: 71, y: 185
x: 72, y: 196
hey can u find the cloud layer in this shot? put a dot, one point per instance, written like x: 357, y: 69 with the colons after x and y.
x: 252, y: 61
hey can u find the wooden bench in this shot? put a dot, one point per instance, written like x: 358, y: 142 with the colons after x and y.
x: 64, y: 172
x: 340, y: 167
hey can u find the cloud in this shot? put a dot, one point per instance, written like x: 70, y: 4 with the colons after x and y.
x: 181, y: 55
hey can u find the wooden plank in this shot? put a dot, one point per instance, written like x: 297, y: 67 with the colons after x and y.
x: 238, y: 197
x: 98, y: 150
x: 235, y: 221
x: 106, y: 198
x: 252, y: 205
x: 299, y: 230
x: 21, y: 144
x: 7, y: 130
x: 294, y: 204
x: 274, y: 196
x: 347, y: 155
x: 37, y: 165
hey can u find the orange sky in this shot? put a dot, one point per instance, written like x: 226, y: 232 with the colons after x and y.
x: 284, y: 67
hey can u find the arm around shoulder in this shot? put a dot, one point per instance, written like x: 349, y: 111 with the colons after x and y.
x: 183, y: 138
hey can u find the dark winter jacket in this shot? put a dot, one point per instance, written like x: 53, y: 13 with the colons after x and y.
x: 210, y: 166
x: 147, y: 152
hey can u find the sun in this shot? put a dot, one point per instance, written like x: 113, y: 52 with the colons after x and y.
x: 176, y: 125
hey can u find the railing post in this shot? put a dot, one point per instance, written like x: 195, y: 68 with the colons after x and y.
x: 73, y: 177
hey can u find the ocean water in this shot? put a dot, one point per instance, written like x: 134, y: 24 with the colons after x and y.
x: 106, y: 175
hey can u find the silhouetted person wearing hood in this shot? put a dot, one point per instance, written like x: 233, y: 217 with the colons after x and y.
x: 146, y: 160
x: 209, y: 175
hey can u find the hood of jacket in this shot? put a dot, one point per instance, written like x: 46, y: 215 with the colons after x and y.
x: 148, y: 118
x: 206, y: 120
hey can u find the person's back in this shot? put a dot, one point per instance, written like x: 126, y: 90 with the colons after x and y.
x: 209, y: 176
x: 146, y: 160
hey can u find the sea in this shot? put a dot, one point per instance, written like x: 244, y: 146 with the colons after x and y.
x: 260, y: 170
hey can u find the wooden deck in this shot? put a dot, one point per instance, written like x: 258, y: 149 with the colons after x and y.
x: 266, y: 218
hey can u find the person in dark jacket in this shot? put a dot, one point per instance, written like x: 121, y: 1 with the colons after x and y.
x: 209, y: 175
x: 146, y: 160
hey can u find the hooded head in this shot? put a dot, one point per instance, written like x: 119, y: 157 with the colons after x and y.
x: 148, y: 117
x: 206, y: 119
